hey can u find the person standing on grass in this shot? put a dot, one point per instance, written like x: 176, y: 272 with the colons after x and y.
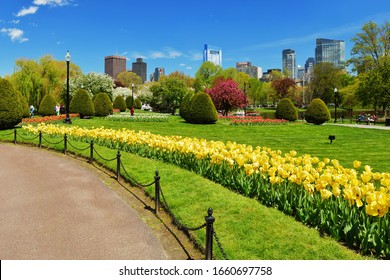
x: 32, y: 111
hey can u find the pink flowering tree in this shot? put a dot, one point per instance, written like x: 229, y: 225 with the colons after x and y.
x: 226, y: 96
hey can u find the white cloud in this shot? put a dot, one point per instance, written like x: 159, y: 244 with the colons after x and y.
x: 189, y: 68
x: 15, y: 34
x: 15, y: 21
x: 51, y: 2
x: 27, y: 11
x: 182, y: 64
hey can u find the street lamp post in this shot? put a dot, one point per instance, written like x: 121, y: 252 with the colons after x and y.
x: 132, y: 99
x: 67, y: 58
x: 335, y: 105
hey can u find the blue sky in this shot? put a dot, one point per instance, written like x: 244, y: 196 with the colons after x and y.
x: 171, y: 33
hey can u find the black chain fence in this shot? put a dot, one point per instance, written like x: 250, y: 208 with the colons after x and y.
x: 209, y: 219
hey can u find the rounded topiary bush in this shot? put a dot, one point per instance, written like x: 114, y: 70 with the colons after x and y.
x: 317, y: 112
x: 10, y: 105
x: 202, y: 110
x: 286, y: 110
x: 47, y: 105
x: 185, y: 104
x: 82, y: 104
x: 137, y: 104
x: 129, y: 102
x: 24, y: 105
x: 102, y: 104
x: 119, y: 103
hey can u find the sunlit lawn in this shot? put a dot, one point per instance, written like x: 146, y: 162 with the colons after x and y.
x: 370, y: 146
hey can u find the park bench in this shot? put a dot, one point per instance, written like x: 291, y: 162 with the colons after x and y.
x: 365, y: 120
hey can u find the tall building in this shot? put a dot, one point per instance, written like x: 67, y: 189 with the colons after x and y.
x: 139, y: 68
x: 309, y: 67
x: 289, y: 63
x: 157, y: 74
x: 212, y: 54
x: 246, y: 67
x: 332, y: 51
x: 114, y: 64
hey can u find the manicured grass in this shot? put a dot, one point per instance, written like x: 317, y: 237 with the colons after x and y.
x: 245, y: 228
x: 366, y: 145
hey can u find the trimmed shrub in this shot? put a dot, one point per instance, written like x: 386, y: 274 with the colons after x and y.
x: 286, y: 110
x: 24, y: 105
x: 10, y: 107
x: 317, y: 112
x: 129, y: 102
x: 47, y: 105
x: 137, y: 104
x: 103, y: 105
x: 120, y: 103
x: 82, y: 104
x: 202, y: 110
x: 185, y: 104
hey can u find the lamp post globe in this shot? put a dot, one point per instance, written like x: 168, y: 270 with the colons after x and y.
x: 67, y: 58
x: 335, y: 105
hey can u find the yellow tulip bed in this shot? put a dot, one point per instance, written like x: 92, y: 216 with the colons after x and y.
x: 349, y: 204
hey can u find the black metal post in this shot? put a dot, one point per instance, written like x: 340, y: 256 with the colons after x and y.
x: 91, y: 152
x: 157, y: 192
x: 335, y: 105
x: 67, y: 119
x: 40, y: 139
x: 209, y: 234
x: 65, y: 144
x: 132, y: 100
x: 118, y: 165
x: 15, y: 133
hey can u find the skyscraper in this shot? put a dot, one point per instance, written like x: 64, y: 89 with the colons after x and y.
x: 114, y: 64
x: 212, y: 54
x: 246, y: 67
x: 289, y: 63
x: 332, y: 51
x: 139, y: 68
x: 158, y: 73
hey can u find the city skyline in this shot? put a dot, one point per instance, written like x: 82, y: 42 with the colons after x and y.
x: 171, y: 35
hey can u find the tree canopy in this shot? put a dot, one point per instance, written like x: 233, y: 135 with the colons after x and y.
x: 372, y: 43
x: 226, y: 96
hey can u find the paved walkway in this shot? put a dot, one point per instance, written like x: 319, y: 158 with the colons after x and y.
x: 362, y: 126
x: 53, y: 207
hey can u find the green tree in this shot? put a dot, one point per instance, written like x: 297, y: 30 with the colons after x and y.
x: 253, y: 91
x: 372, y: 43
x: 317, y: 112
x: 48, y: 103
x: 11, y: 111
x: 189, y: 81
x: 185, y: 105
x: 374, y: 86
x: 82, y: 104
x: 201, y: 110
x: 35, y: 79
x: 102, y: 105
x: 127, y: 79
x: 286, y: 110
x: 93, y: 83
x: 119, y: 103
x: 168, y: 94
x: 204, y: 77
x: 326, y: 77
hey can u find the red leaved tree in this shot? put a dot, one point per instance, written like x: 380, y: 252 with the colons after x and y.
x: 284, y: 87
x: 226, y: 95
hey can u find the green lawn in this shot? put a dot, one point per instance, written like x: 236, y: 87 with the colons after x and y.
x: 366, y: 145
x: 247, y: 229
